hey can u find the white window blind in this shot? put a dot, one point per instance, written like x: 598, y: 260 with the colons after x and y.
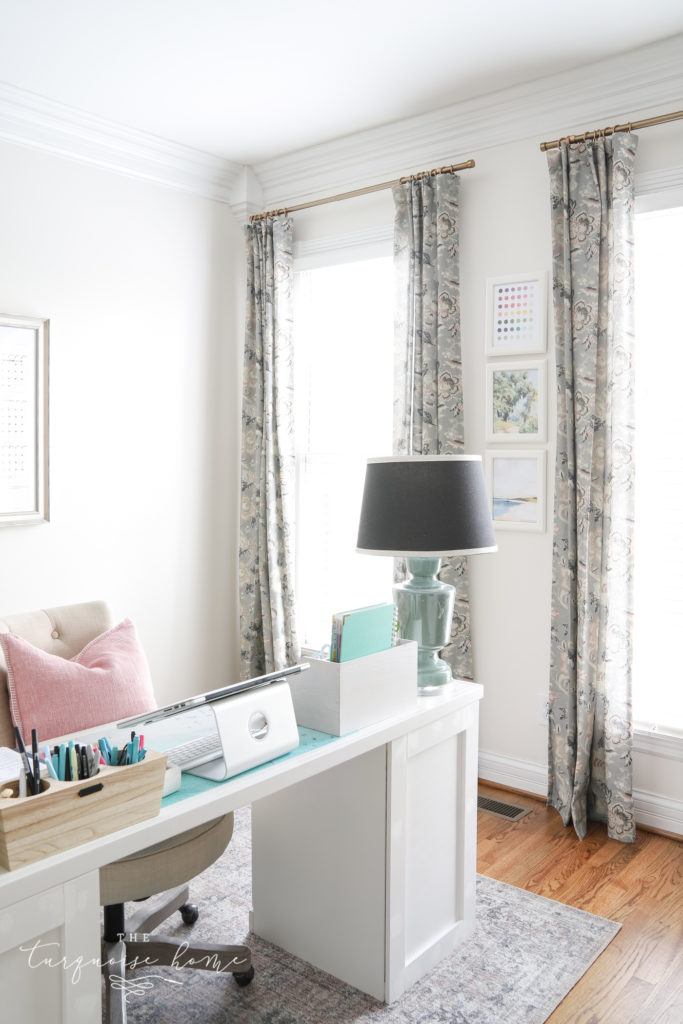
x: 343, y: 342
x: 658, y: 611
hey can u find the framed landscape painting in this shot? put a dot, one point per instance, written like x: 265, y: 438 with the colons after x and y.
x: 516, y: 487
x: 516, y: 401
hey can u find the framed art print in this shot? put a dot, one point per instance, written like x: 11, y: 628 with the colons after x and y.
x: 23, y: 420
x: 516, y: 487
x: 516, y: 315
x: 516, y: 401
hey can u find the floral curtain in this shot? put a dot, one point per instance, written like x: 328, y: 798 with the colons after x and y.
x: 267, y: 623
x: 590, y: 734
x: 428, y: 408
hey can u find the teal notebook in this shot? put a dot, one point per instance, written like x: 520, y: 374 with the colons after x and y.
x: 366, y: 631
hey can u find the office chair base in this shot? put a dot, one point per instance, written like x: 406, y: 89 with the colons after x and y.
x: 128, y: 945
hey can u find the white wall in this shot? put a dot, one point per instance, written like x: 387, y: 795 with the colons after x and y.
x: 143, y: 286
x: 505, y: 229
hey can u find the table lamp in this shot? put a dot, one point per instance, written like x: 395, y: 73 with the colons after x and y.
x: 422, y: 508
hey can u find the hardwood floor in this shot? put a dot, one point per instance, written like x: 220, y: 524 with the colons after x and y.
x: 638, y: 979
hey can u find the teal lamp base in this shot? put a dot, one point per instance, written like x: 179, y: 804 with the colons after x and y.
x: 424, y: 610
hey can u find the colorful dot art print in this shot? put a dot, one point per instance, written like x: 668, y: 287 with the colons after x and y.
x: 517, y: 316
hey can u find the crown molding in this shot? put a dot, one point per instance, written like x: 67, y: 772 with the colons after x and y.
x: 647, y: 79
x: 608, y: 92
x: 31, y: 120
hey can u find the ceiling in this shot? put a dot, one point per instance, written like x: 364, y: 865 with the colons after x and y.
x: 248, y: 80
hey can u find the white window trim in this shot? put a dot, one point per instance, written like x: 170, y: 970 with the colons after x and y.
x: 661, y: 744
x: 658, y: 190
x: 366, y: 244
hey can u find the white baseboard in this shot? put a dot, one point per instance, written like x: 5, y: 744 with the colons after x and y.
x: 652, y: 810
x: 511, y: 772
x: 658, y: 812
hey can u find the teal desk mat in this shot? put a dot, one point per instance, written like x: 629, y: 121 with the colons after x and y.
x: 192, y: 785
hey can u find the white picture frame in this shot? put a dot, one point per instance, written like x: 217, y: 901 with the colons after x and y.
x: 24, y: 479
x: 516, y: 402
x: 517, y: 314
x: 516, y: 485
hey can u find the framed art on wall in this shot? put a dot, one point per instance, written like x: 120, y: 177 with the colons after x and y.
x: 516, y: 401
x: 516, y: 487
x: 516, y: 314
x: 23, y: 420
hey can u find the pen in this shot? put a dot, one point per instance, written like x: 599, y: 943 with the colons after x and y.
x: 22, y: 748
x: 36, y: 766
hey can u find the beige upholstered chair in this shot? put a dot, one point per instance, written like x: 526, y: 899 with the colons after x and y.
x: 161, y: 871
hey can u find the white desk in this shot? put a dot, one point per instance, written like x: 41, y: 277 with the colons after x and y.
x: 363, y: 864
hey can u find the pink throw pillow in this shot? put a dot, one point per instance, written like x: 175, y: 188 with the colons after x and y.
x: 108, y: 680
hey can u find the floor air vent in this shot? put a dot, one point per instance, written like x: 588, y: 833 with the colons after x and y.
x: 511, y: 812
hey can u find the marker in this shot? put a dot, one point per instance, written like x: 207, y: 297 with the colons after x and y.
x: 105, y: 749
x: 48, y: 762
x: 136, y: 750
x: 73, y: 761
x: 61, y: 764
x: 93, y: 760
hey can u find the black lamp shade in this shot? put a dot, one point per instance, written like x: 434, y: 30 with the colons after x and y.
x: 425, y: 506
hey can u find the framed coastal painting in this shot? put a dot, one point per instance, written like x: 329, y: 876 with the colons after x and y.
x: 516, y: 401
x: 516, y: 314
x: 23, y: 420
x: 516, y: 487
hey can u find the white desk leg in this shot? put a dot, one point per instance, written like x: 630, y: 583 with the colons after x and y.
x: 319, y: 857
x: 367, y: 871
x: 432, y: 851
x: 49, y: 955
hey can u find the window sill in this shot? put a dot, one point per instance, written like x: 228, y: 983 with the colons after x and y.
x: 651, y: 740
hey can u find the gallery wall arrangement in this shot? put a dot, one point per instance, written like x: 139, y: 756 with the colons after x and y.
x: 516, y: 400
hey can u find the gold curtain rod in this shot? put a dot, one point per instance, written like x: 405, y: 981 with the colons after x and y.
x: 364, y: 191
x: 602, y: 132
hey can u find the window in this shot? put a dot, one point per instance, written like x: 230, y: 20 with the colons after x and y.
x: 343, y: 340
x: 658, y: 611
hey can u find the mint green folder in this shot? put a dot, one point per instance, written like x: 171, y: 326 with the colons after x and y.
x: 366, y: 631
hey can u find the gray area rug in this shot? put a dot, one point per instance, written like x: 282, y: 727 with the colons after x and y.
x: 526, y: 954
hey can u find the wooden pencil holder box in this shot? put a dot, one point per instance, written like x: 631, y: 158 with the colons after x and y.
x: 340, y: 697
x: 67, y: 814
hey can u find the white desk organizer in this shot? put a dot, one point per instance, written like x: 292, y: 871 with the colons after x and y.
x: 339, y: 697
x: 255, y: 726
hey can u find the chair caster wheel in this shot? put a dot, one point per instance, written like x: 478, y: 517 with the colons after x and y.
x: 189, y: 913
x: 244, y: 977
